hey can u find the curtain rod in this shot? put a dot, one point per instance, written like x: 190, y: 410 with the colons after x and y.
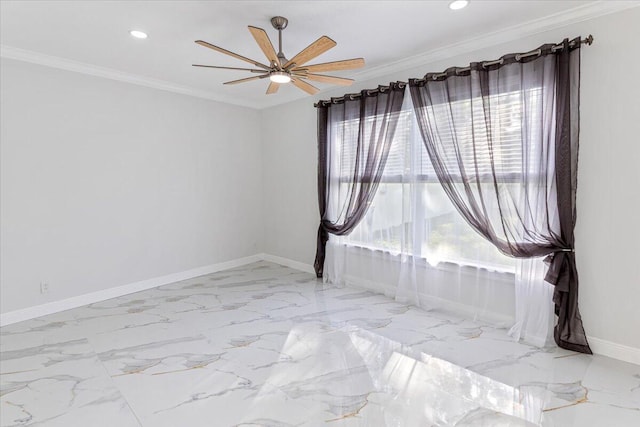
x: 518, y: 57
x: 537, y: 52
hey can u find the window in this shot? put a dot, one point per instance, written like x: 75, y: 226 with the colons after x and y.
x: 412, y: 214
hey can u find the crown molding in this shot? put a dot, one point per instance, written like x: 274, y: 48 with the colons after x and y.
x: 10, y: 52
x: 527, y: 29
x: 530, y: 28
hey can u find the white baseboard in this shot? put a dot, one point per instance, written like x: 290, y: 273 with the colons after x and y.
x: 614, y: 350
x: 307, y: 268
x: 93, y: 297
x: 599, y: 346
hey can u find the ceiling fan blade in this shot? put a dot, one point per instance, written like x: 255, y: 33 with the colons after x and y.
x: 265, y: 44
x: 316, y: 48
x: 235, y: 55
x: 300, y: 84
x: 347, y: 64
x: 273, y: 88
x: 326, y: 79
x: 248, y: 79
x: 253, y: 70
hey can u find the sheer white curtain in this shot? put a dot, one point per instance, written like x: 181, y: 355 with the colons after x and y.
x: 534, y: 304
x: 414, y: 246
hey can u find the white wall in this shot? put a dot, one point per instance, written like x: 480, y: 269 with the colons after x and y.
x: 106, y: 183
x: 609, y: 176
x: 289, y: 177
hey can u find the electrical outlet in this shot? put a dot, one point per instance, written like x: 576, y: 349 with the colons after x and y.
x: 44, y: 287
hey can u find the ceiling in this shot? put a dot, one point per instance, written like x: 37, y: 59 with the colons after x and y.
x: 93, y: 36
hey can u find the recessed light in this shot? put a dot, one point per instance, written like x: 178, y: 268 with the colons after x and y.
x: 458, y: 4
x: 138, y: 34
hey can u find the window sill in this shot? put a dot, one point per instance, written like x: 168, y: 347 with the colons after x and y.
x: 445, y: 265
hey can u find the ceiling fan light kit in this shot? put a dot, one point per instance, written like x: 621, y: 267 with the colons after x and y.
x: 282, y: 70
x: 279, y: 77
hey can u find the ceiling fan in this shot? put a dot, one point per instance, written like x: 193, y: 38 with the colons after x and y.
x: 282, y: 70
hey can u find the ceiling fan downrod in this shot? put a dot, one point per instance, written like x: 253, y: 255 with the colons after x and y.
x: 280, y: 23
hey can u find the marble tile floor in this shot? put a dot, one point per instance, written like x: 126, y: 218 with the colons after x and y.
x: 265, y: 345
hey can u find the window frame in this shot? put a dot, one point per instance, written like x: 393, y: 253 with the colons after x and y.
x: 431, y: 178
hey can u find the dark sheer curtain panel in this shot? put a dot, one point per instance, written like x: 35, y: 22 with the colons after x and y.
x: 354, y: 137
x: 503, y: 139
